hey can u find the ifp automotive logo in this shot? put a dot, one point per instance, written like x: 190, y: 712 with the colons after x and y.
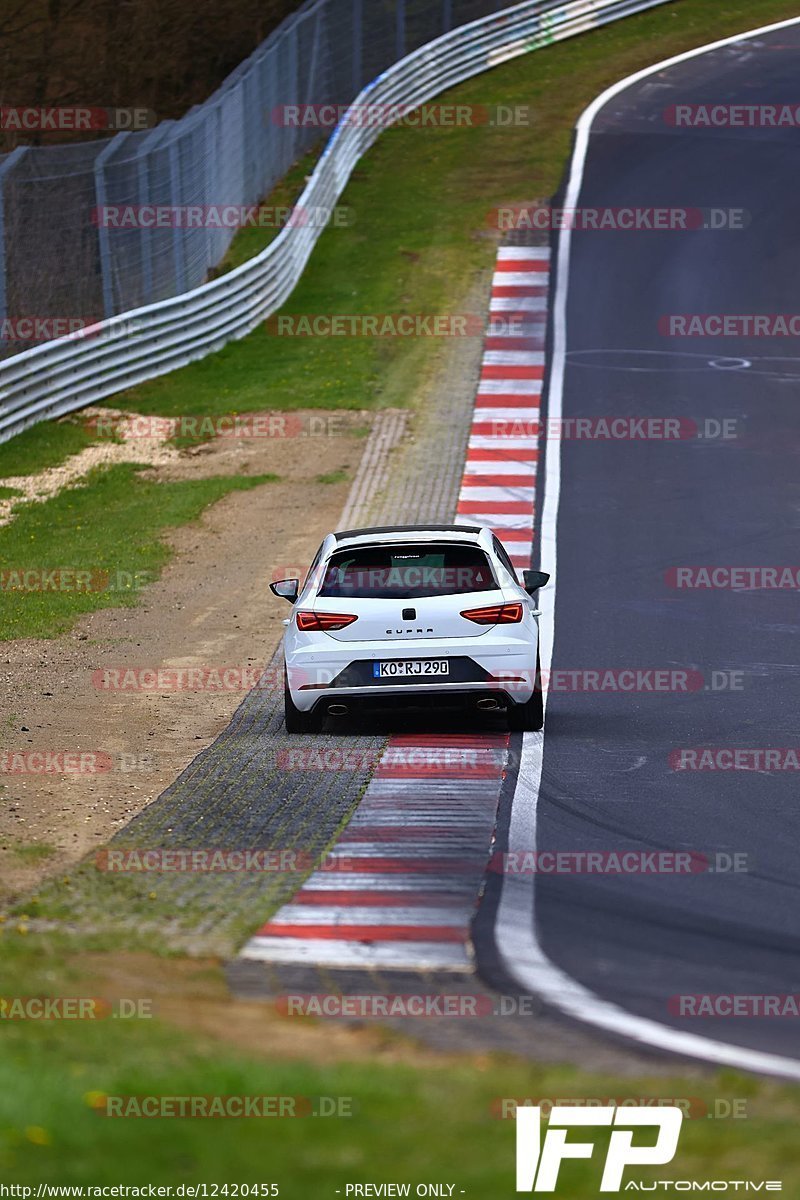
x: 539, y: 1162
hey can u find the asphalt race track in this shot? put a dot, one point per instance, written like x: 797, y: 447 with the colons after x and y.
x: 630, y: 512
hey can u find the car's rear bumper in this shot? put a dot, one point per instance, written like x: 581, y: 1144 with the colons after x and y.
x: 458, y: 697
x: 506, y: 671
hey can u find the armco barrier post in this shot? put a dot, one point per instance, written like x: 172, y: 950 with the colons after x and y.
x: 318, y: 18
x: 178, y: 234
x: 358, y: 45
x: 214, y: 159
x: 10, y: 161
x: 292, y: 95
x: 400, y: 24
x: 144, y: 171
x: 101, y: 201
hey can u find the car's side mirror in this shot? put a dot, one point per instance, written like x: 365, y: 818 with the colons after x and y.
x: 287, y: 589
x: 533, y: 580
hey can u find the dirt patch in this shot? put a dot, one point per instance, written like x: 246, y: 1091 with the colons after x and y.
x: 151, y: 451
x: 192, y: 995
x: 211, y: 608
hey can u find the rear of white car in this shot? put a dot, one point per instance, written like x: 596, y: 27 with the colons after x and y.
x: 407, y: 616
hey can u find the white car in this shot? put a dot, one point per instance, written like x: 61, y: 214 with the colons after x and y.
x: 410, y: 615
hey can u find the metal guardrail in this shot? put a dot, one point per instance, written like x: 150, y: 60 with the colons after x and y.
x: 71, y: 372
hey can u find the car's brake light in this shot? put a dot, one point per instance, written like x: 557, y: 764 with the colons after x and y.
x: 326, y: 622
x: 495, y: 614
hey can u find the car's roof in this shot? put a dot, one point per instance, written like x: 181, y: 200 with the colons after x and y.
x: 384, y: 533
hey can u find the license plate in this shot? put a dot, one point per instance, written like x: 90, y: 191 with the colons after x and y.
x: 415, y: 666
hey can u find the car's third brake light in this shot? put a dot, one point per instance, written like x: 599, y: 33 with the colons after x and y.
x: 321, y: 621
x: 495, y: 614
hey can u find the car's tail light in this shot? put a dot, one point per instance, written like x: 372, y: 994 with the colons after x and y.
x: 322, y: 621
x: 495, y: 614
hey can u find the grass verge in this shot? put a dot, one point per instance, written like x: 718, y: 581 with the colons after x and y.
x: 110, y: 531
x: 45, y: 445
x: 56, y: 1078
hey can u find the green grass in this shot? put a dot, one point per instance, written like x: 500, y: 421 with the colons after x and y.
x: 339, y: 476
x: 33, y: 852
x: 44, y: 445
x: 408, y: 1123
x: 111, y: 528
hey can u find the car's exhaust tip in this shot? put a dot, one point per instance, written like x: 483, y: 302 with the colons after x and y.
x: 338, y: 710
x: 488, y: 704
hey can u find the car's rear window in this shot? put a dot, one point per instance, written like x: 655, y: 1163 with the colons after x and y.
x: 410, y: 572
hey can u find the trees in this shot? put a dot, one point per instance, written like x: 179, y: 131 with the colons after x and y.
x: 161, y: 55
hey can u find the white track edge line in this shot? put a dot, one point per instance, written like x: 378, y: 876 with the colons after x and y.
x: 537, y: 972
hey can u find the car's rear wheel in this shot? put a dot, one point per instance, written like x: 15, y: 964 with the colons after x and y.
x: 528, y: 717
x: 297, y: 721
